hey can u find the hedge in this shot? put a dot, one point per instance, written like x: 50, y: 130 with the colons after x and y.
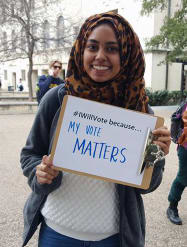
x: 165, y: 97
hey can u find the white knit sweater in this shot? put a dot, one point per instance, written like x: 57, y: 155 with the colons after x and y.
x: 83, y: 208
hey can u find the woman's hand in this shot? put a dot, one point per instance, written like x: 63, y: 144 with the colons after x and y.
x: 45, y: 172
x: 162, y: 137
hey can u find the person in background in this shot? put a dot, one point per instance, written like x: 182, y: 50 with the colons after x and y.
x: 47, y: 82
x: 106, y: 65
x: 20, y: 85
x: 180, y: 182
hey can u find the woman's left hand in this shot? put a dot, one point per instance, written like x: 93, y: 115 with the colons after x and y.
x: 162, y: 137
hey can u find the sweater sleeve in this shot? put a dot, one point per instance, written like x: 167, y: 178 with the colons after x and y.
x: 38, y: 142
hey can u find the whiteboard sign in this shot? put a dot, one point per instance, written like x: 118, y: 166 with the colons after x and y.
x: 101, y: 140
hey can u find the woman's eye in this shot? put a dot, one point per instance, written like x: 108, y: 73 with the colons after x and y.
x: 113, y: 49
x: 92, y: 47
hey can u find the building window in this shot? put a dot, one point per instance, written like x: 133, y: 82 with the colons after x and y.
x: 14, y: 38
x: 12, y: 8
x: 34, y: 33
x: 23, y: 75
x: 22, y: 7
x: 3, y: 14
x: 23, y: 40
x: 60, y: 31
x: 5, y: 75
x: 63, y: 73
x: 32, y: 4
x: 5, y: 41
x: 46, y: 31
x: 75, y: 31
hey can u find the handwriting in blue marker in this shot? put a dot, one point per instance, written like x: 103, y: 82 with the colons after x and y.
x: 92, y: 130
x: 74, y: 127
x: 100, y: 150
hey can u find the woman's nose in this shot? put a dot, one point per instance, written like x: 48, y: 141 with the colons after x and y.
x: 101, y: 54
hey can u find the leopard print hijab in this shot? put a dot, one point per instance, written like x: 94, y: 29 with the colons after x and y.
x: 127, y: 88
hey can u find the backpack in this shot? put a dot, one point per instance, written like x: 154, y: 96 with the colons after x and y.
x: 21, y: 88
x: 177, y: 124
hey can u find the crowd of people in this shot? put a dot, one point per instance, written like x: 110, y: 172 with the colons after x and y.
x: 106, y: 65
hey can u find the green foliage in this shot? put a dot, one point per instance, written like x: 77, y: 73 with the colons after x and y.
x: 149, y: 6
x: 165, y: 97
x: 173, y: 33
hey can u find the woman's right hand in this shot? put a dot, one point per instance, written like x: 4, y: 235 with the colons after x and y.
x: 45, y: 171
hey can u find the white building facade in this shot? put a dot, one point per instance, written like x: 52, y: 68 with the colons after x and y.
x: 166, y: 76
x: 68, y: 15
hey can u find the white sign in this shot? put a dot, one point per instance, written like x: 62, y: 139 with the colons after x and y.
x: 101, y: 140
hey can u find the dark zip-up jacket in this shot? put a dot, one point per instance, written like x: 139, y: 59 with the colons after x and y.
x: 39, y: 142
x: 45, y: 83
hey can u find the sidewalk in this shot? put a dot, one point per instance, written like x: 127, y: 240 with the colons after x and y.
x: 14, y: 190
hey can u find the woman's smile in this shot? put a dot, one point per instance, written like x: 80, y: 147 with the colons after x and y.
x: 100, y: 68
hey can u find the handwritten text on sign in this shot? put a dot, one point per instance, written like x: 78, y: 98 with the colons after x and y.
x: 102, y: 140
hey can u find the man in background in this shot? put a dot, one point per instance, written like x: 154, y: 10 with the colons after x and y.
x: 45, y: 83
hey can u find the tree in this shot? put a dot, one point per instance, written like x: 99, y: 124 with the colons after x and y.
x: 173, y: 32
x: 29, y: 31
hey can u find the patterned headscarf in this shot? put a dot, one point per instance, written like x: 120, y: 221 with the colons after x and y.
x: 127, y: 88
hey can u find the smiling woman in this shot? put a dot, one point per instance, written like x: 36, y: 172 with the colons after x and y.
x: 108, y: 52
x: 106, y: 64
x: 101, y: 55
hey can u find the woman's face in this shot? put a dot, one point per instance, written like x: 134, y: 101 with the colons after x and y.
x: 101, y: 57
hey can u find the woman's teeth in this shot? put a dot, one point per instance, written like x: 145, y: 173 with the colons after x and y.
x: 100, y: 67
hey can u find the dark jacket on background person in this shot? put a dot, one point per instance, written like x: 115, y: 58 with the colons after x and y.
x: 44, y: 84
x: 39, y: 143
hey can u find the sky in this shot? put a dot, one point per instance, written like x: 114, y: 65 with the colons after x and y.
x: 129, y: 9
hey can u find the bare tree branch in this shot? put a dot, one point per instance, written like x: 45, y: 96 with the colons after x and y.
x: 26, y: 30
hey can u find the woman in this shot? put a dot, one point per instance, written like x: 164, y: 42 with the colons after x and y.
x: 106, y: 65
x: 180, y: 182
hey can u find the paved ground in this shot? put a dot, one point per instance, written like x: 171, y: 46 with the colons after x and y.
x: 14, y: 190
